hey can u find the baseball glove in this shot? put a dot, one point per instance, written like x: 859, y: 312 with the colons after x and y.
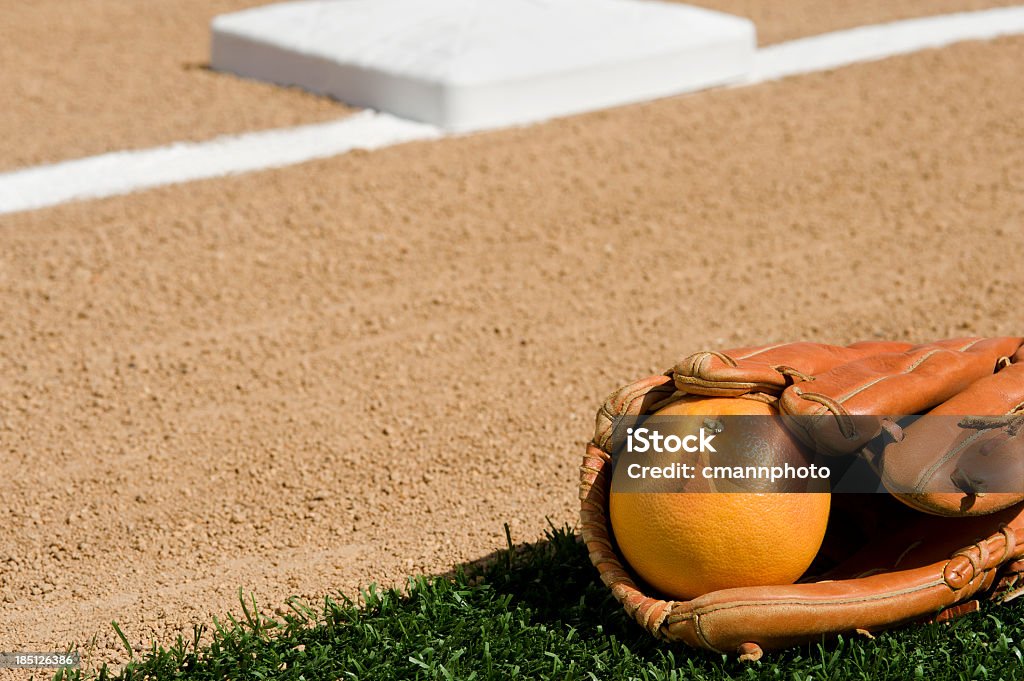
x: 928, y: 551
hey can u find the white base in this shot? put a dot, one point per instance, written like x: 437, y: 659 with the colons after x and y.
x: 474, y: 64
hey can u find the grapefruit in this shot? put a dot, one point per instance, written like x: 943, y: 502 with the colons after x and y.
x: 689, y: 543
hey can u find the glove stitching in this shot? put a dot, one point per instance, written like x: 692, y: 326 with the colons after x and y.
x: 791, y: 372
x: 722, y: 356
x: 908, y: 370
x: 970, y: 345
x: 761, y: 351
x: 730, y: 386
x: 816, y: 604
x: 1009, y: 543
x: 699, y: 630
x: 843, y: 418
x: 952, y: 452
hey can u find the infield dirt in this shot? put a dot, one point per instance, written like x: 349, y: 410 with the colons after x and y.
x: 90, y: 77
x: 304, y: 380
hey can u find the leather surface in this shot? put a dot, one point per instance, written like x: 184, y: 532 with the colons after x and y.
x: 853, y: 395
x: 937, y: 461
x: 927, y: 567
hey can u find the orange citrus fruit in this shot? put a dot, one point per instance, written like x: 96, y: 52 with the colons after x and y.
x: 689, y: 543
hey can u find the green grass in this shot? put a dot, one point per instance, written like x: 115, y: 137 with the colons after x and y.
x: 540, y: 612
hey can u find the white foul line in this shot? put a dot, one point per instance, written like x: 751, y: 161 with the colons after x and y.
x: 870, y: 43
x: 123, y: 172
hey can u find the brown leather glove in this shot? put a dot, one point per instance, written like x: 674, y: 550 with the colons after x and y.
x: 846, y: 401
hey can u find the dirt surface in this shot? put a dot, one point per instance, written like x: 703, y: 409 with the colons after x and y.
x: 92, y: 76
x: 303, y: 380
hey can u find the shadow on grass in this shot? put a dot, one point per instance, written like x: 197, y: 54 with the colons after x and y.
x: 556, y: 582
x: 540, y: 611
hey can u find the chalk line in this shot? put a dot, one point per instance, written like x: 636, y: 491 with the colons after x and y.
x: 122, y: 172
x: 870, y: 43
